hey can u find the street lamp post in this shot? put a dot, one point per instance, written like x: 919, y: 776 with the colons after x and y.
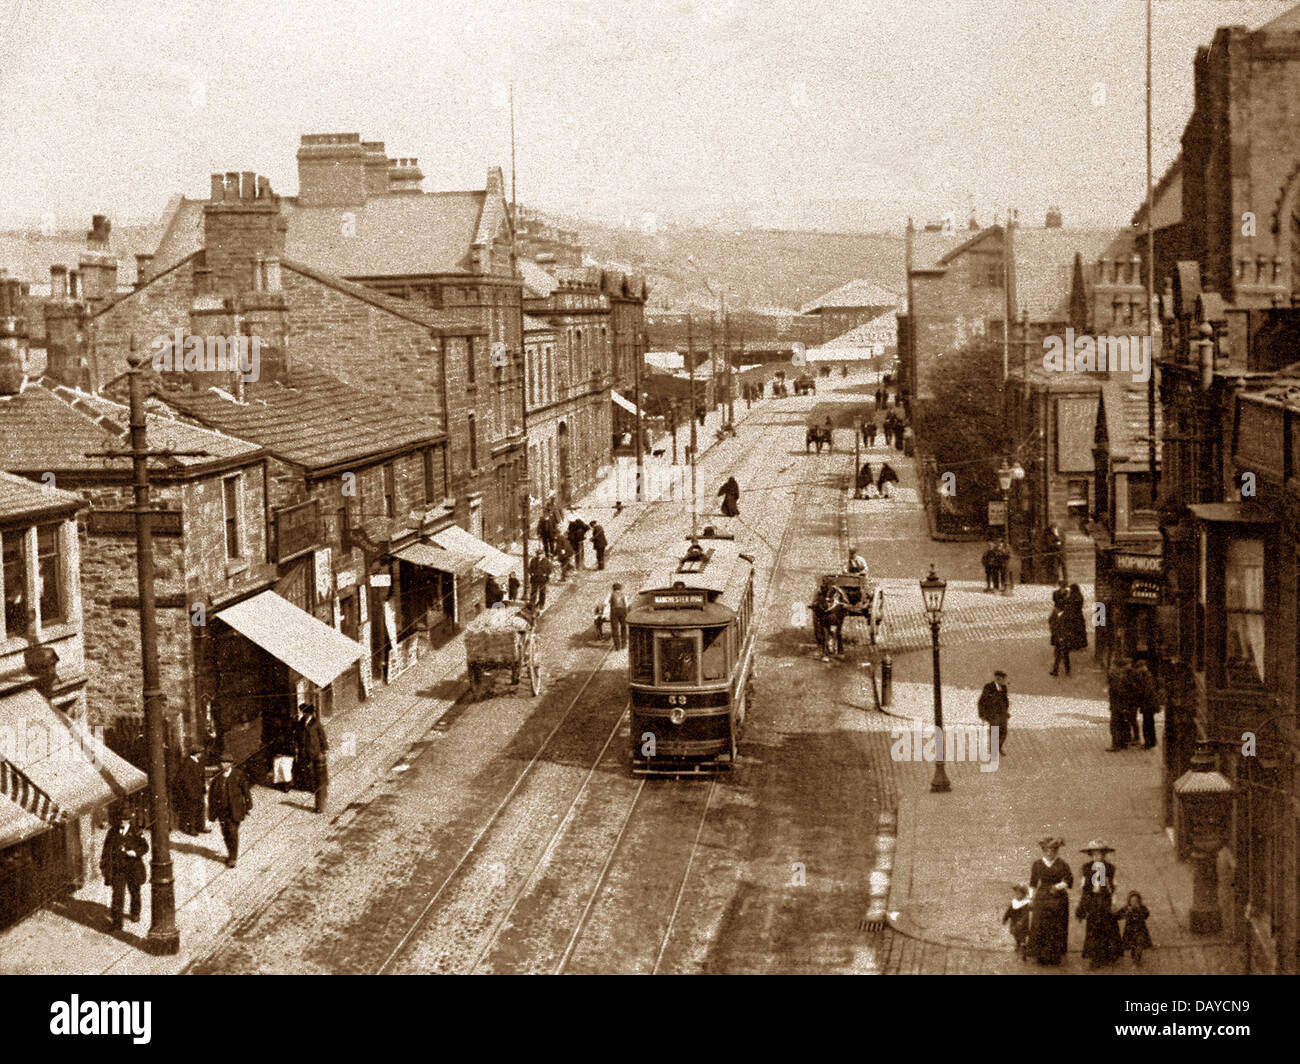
x: 932, y: 592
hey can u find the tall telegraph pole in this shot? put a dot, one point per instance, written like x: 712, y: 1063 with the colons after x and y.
x: 1151, y: 285
x: 163, y: 937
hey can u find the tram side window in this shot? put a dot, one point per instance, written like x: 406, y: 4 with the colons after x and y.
x: 640, y: 645
x: 714, y: 658
x: 677, y: 654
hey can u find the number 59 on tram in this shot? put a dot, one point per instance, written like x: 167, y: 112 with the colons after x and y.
x: 690, y: 661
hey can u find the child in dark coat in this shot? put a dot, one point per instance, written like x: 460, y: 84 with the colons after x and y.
x: 1017, y: 918
x: 1136, y: 937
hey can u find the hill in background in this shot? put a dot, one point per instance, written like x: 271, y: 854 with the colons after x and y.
x: 760, y: 269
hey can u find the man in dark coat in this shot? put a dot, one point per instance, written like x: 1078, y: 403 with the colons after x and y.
x: 546, y: 532
x: 887, y: 477
x: 229, y: 801
x: 190, y: 788
x: 539, y: 575
x: 314, y: 744
x: 492, y: 592
x: 1145, y: 699
x: 512, y: 586
x: 730, y: 492
x: 599, y: 543
x: 577, y: 533
x: 1119, y: 694
x: 122, y: 866
x: 989, y: 560
x: 995, y: 707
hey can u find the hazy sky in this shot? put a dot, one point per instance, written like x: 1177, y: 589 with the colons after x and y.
x: 785, y: 113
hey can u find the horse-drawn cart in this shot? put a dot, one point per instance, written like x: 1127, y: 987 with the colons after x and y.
x: 856, y: 603
x: 504, y: 637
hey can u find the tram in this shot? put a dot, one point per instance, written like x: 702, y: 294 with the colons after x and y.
x: 691, y: 634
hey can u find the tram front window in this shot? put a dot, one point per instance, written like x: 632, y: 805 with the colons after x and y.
x: 714, y: 658
x: 678, y: 657
x: 640, y: 646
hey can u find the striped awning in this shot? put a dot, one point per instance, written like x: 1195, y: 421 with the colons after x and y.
x: 51, y: 768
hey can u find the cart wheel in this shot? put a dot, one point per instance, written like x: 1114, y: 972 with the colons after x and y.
x: 534, y: 667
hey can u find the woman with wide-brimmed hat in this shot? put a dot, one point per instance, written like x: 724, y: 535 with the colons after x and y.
x: 1101, y: 939
x: 1050, y: 879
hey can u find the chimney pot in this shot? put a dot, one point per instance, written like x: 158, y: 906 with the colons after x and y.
x: 264, y: 188
x: 58, y: 282
x: 231, y: 191
x: 248, y: 185
x: 218, y: 188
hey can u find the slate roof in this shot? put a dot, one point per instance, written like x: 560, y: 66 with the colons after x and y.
x: 861, y: 293
x: 432, y: 232
x: 882, y: 329
x: 538, y: 284
x: 20, y: 497
x: 29, y: 256
x: 51, y: 427
x: 316, y: 422
x: 1124, y: 406
x: 1045, y: 266
x: 930, y: 246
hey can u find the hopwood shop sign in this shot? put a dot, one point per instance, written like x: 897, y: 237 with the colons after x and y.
x: 1141, y: 576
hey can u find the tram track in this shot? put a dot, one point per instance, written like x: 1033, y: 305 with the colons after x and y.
x: 665, y: 796
x: 412, y: 954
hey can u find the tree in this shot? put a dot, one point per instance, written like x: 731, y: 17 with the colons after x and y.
x: 962, y: 425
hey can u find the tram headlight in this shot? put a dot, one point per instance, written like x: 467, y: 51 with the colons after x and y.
x: 677, y: 715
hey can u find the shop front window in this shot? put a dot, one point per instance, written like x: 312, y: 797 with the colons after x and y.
x: 1243, y: 608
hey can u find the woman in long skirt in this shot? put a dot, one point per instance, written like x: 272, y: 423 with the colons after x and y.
x: 1101, y: 939
x: 1050, y: 879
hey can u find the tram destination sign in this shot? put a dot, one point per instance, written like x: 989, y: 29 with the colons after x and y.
x: 676, y: 600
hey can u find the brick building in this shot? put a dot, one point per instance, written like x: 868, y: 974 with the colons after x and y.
x: 54, y: 776
x: 1227, y: 502
x: 448, y: 257
x: 849, y: 306
x: 356, y: 489
x: 210, y: 545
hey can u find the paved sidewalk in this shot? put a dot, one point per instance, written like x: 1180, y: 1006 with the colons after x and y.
x: 282, y: 832
x: 956, y: 855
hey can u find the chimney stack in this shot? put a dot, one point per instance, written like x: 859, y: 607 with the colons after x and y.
x: 404, y: 175
x: 142, y: 264
x: 98, y: 264
x: 331, y: 170
x: 243, y: 221
x: 376, y: 167
x: 58, y: 282
x: 13, y: 337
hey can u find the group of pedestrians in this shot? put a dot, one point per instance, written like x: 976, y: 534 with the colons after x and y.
x: 1066, y: 625
x: 1133, y: 691
x: 1039, y: 914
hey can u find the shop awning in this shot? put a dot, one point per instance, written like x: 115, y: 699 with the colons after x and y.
x: 431, y: 556
x: 53, y: 768
x: 626, y: 404
x: 487, y: 558
x: 310, y: 647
